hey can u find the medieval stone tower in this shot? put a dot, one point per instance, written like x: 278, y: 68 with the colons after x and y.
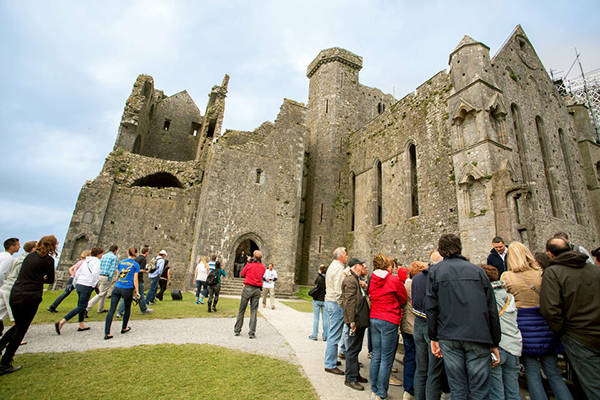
x: 488, y: 148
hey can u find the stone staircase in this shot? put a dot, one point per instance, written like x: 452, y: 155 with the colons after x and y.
x: 234, y: 286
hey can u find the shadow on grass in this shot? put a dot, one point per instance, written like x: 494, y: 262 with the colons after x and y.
x: 187, y: 371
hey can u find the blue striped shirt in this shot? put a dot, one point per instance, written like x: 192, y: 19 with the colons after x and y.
x: 108, y: 263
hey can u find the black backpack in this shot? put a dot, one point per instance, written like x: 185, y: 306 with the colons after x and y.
x: 212, y: 280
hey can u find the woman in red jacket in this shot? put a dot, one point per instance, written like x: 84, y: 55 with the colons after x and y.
x: 388, y: 294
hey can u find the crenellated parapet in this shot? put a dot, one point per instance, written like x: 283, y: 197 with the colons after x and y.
x: 334, y: 54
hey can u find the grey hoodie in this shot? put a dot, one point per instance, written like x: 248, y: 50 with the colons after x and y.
x: 511, y: 335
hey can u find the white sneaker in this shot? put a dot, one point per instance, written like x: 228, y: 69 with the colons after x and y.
x: 408, y: 396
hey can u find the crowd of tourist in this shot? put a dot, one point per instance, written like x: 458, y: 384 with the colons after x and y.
x: 467, y: 330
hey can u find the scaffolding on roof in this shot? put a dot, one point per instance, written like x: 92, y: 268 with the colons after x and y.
x: 584, y: 89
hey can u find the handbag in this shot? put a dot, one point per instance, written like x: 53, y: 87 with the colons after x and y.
x: 313, y: 292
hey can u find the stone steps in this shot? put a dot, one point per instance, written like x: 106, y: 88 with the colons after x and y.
x: 234, y: 286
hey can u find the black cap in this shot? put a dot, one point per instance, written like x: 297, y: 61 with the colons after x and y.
x: 354, y: 261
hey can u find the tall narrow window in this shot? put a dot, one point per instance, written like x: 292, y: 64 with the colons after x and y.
x: 258, y: 175
x: 320, y: 243
x: 352, y: 200
x: 166, y: 125
x: 326, y: 106
x: 569, y: 170
x: 212, y: 124
x: 412, y: 171
x: 552, y: 189
x: 379, y: 193
x: 195, y: 129
x: 322, y: 210
x: 521, y: 145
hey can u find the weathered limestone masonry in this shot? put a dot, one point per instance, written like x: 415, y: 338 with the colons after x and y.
x: 488, y: 148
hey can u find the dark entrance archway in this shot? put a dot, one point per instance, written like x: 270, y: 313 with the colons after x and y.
x: 248, y: 246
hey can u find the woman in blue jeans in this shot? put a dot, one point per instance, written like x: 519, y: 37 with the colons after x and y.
x: 407, y: 328
x: 319, y: 305
x: 127, y: 283
x: 387, y: 294
x: 86, y: 279
x: 523, y: 280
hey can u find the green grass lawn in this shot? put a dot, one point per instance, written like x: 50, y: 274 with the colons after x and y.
x: 303, y: 293
x: 164, y: 371
x: 165, y: 309
x: 302, y: 306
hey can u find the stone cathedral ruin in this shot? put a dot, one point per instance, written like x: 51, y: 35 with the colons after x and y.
x: 488, y: 148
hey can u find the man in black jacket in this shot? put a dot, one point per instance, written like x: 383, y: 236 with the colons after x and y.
x: 570, y: 302
x: 462, y: 320
x: 497, y: 257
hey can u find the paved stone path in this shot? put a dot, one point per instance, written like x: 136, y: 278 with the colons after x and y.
x: 281, y: 333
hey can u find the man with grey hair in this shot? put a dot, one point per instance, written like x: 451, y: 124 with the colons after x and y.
x: 333, y: 306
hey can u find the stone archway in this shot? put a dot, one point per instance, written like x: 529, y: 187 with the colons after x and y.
x: 248, y: 243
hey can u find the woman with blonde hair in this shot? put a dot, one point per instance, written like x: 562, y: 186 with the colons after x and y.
x: 387, y: 294
x: 200, y: 277
x: 523, y: 280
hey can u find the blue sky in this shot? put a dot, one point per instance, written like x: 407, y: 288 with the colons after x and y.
x: 68, y: 67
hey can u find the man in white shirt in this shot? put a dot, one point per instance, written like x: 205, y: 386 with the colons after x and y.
x: 155, y: 278
x: 335, y: 311
x: 269, y: 279
x: 11, y: 246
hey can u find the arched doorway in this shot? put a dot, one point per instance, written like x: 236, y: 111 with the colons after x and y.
x: 248, y: 242
x: 247, y: 246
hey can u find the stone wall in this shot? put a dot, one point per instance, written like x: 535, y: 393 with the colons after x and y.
x: 252, y: 191
x: 525, y: 84
x: 419, y: 119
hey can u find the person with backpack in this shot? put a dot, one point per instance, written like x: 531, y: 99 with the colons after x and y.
x: 213, y: 281
x: 157, y: 264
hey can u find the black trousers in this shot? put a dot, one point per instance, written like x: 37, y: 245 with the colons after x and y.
x: 162, y: 283
x: 354, y: 347
x: 23, y: 314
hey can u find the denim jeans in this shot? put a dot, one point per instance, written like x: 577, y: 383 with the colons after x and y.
x: 142, y: 302
x: 252, y: 294
x: 118, y: 294
x: 409, y: 363
x: 199, y: 289
x: 335, y: 313
x: 343, y: 345
x: 384, y: 337
x: 319, y: 309
x: 152, y: 289
x: 429, y: 370
x: 504, y: 378
x: 549, y: 362
x: 468, y: 366
x: 84, y: 293
x: 68, y: 289
x: 586, y: 362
